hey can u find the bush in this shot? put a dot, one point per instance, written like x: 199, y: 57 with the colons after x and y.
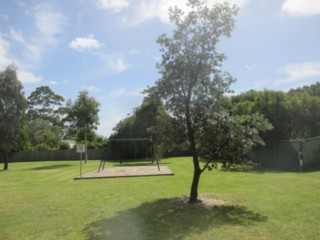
x: 42, y: 146
x: 64, y: 146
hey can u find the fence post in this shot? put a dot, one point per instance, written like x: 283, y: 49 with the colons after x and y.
x: 300, y: 156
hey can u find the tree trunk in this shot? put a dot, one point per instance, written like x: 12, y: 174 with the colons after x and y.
x: 6, y: 162
x: 86, y: 150
x: 194, y: 186
x: 197, y: 171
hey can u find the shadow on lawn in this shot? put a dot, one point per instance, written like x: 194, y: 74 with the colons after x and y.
x: 168, y: 219
x: 51, y: 167
x: 257, y: 169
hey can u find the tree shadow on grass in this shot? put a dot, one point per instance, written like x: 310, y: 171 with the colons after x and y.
x: 51, y: 167
x: 169, y: 219
x: 256, y: 169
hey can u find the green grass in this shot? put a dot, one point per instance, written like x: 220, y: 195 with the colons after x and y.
x: 40, y: 200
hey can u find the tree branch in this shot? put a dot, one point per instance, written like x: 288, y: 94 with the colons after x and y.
x: 215, y: 154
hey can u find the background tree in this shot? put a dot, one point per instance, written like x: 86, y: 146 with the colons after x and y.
x: 45, y: 104
x: 192, y: 82
x: 273, y: 105
x: 294, y: 114
x: 82, y: 115
x: 312, y: 90
x: 304, y: 109
x: 94, y: 141
x: 43, y: 135
x: 141, y: 125
x: 12, y: 112
x: 45, y: 115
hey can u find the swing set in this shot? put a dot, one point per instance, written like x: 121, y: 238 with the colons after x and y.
x: 130, y: 148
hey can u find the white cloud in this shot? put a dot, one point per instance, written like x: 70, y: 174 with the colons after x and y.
x: 251, y: 67
x: 115, y: 61
x: 150, y: 9
x: 115, y: 5
x: 49, y: 23
x: 123, y: 92
x: 23, y: 75
x: 4, y: 49
x: 301, y: 71
x: 52, y: 82
x: 81, y: 44
x: 91, y: 88
x: 16, y: 36
x: 33, y: 53
x: 117, y: 64
x: 27, y: 77
x: 298, y: 8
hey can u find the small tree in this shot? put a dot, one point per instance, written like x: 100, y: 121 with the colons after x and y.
x: 192, y: 83
x: 12, y: 112
x: 83, y: 115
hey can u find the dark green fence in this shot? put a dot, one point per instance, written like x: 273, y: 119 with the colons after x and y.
x: 289, y: 155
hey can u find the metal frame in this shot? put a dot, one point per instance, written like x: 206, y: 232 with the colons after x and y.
x: 102, y: 163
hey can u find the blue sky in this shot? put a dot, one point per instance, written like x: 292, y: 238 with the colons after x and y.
x: 109, y: 47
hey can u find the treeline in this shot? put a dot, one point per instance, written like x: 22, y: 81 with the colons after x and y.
x: 293, y: 115
x: 42, y: 121
x: 50, y: 122
x: 149, y: 121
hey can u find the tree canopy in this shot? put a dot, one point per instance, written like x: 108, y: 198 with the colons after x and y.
x: 12, y: 112
x: 192, y: 82
x: 45, y: 128
x: 45, y: 104
x: 82, y: 115
x: 294, y: 115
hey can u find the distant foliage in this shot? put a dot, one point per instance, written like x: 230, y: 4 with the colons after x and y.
x: 64, y: 146
x: 294, y: 115
x: 12, y: 113
x: 145, y: 122
x: 312, y: 90
x: 82, y: 114
x: 44, y: 104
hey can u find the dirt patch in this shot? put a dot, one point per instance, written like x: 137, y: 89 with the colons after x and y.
x: 140, y: 171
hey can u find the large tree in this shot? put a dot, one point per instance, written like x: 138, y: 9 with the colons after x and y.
x: 192, y: 82
x: 82, y: 115
x: 45, y: 104
x: 45, y: 113
x: 12, y: 112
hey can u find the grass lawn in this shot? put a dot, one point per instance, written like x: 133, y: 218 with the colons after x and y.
x: 40, y: 200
